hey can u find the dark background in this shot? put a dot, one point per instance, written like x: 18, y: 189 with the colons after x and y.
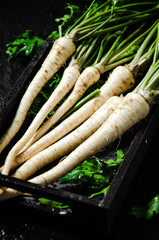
x: 23, y: 223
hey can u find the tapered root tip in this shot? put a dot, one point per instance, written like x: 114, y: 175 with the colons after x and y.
x: 8, y: 194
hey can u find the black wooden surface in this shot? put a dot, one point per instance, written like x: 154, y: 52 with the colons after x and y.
x: 23, y: 223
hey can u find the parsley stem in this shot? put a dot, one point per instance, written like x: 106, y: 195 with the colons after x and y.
x: 80, y: 103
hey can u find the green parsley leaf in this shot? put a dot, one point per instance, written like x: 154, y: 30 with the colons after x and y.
x: 91, y: 172
x: 24, y: 45
x: 74, y: 10
x: 103, y: 191
x: 67, y: 20
x: 147, y: 211
x: 54, y: 35
x: 131, y: 51
x: 52, y: 203
x: 95, y: 173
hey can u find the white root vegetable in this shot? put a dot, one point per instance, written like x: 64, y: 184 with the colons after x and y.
x: 66, y: 144
x: 88, y: 77
x: 9, y: 193
x: 119, y: 81
x: 132, y: 110
x: 61, y: 50
x: 69, y: 78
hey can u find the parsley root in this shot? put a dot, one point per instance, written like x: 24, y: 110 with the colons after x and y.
x: 62, y: 49
x: 132, y: 109
x: 69, y: 142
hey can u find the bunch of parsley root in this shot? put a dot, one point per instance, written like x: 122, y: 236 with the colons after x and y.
x: 100, y: 39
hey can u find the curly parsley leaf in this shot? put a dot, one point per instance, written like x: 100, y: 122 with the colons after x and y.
x: 66, y: 20
x: 24, y: 45
x: 95, y: 173
x: 147, y: 211
x: 54, y: 35
x: 113, y: 165
x: 103, y: 191
x: 91, y: 172
x: 119, y: 159
x: 74, y: 12
x: 52, y: 203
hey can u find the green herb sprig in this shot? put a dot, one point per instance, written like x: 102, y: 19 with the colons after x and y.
x: 147, y: 211
x: 95, y: 173
x: 24, y: 45
x: 52, y: 203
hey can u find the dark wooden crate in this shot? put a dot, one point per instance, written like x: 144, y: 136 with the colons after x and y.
x: 134, y: 143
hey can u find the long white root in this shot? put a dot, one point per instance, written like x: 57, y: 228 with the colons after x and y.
x: 62, y: 49
x: 88, y: 77
x: 132, y: 110
x: 66, y: 144
x: 120, y: 80
x: 9, y: 193
x: 70, y: 76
